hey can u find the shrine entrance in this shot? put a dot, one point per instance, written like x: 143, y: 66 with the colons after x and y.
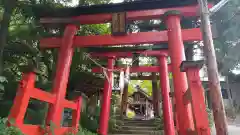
x: 189, y: 105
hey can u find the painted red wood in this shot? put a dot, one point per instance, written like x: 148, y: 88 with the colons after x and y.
x: 106, y: 100
x: 134, y: 38
x: 177, y: 55
x: 133, y: 69
x: 187, y: 11
x: 26, y: 91
x: 69, y: 104
x: 200, y: 114
x: 76, y: 115
x: 130, y: 54
x: 19, y: 108
x: 61, y: 78
x: 43, y: 95
x: 169, y: 128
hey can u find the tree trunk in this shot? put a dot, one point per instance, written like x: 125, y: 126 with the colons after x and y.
x: 9, y: 6
x: 212, y: 68
x: 155, y: 95
x: 125, y: 94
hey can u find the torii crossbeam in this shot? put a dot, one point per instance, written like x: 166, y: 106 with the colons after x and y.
x: 134, y: 38
x: 130, y: 54
x: 133, y: 69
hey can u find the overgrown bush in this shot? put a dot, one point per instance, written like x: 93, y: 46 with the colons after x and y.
x: 4, y: 130
x: 85, y: 132
x: 89, y: 122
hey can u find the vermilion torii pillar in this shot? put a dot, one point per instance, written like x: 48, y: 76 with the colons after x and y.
x: 62, y: 74
x: 106, y: 100
x: 169, y: 128
x: 176, y: 52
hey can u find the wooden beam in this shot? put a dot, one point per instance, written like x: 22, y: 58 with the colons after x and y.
x: 134, y: 38
x: 142, y: 77
x: 163, y: 46
x: 133, y: 69
x: 130, y: 54
x: 186, y: 11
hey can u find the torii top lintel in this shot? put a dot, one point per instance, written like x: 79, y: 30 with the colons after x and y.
x: 148, y: 10
x: 134, y: 38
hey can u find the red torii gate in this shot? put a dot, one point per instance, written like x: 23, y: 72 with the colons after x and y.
x: 174, y: 36
x: 163, y: 69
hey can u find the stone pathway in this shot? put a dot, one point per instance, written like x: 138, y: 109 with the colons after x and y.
x: 233, y: 130
x: 139, y: 127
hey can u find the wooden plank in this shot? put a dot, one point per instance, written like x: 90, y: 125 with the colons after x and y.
x: 130, y: 54
x: 133, y: 69
x: 148, y: 14
x: 134, y: 38
x: 69, y: 104
x: 43, y: 96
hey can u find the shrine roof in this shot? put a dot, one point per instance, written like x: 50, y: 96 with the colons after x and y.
x: 143, y: 93
x: 43, y: 11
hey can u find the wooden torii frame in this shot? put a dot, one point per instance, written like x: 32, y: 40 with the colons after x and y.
x: 174, y: 35
x: 157, y: 69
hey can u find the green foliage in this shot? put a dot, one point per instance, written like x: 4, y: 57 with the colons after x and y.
x: 85, y: 132
x: 227, y: 42
x: 146, y: 85
x: 3, y: 80
x: 210, y: 117
x: 159, y: 121
x: 130, y: 114
x: 4, y: 130
x: 89, y: 122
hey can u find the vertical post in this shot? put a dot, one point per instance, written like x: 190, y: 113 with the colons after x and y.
x: 21, y: 101
x: 212, y: 69
x: 62, y: 73
x: 176, y: 51
x: 198, y: 105
x: 165, y: 89
x: 125, y: 93
x: 156, y: 95
x: 76, y: 115
x: 106, y: 101
x: 121, y: 86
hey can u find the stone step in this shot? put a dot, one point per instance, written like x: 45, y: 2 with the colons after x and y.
x: 134, y: 127
x: 141, y: 124
x: 141, y: 121
x: 139, y: 132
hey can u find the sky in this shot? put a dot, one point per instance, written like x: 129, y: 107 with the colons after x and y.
x: 75, y: 2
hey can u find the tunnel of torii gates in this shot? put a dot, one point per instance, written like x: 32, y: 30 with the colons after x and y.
x: 190, y: 111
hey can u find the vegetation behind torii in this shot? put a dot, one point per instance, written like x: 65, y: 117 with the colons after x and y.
x: 19, y: 47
